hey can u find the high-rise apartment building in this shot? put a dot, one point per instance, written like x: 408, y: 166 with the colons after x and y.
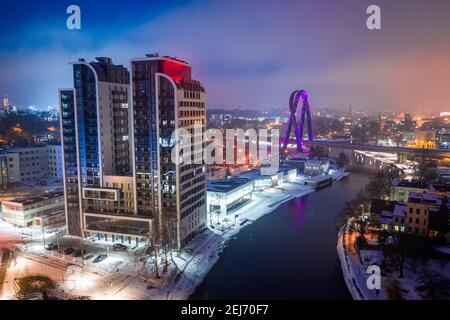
x: 166, y: 98
x: 119, y: 177
x: 95, y: 128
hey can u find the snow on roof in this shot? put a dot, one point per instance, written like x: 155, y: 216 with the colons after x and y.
x: 386, y: 214
x: 429, y: 198
x: 226, y: 185
x: 400, y: 210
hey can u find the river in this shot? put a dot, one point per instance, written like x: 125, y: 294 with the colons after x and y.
x: 287, y: 254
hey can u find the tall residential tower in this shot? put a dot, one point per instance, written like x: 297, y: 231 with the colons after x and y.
x: 96, y: 138
x: 119, y: 178
x: 166, y: 98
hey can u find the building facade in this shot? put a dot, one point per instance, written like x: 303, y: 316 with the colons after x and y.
x: 401, y: 190
x: 316, y: 167
x: 24, y: 212
x: 96, y: 135
x: 9, y: 169
x: 117, y: 136
x: 165, y: 99
x: 54, y: 161
x: 31, y: 164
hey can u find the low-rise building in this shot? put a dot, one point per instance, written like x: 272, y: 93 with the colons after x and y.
x: 424, y: 213
x: 318, y: 182
x: 227, y: 195
x: 378, y: 207
x: 24, y: 211
x: 28, y: 165
x: 395, y: 219
x: 418, y: 211
x: 401, y: 190
x: 316, y: 167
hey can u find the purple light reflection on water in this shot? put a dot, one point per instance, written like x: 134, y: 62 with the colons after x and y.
x: 299, y: 212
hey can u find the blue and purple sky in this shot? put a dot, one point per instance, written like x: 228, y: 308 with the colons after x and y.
x: 247, y: 53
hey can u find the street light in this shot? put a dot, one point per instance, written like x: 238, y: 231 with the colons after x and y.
x: 43, y: 232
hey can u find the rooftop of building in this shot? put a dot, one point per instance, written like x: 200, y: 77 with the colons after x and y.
x: 256, y: 173
x: 319, y: 178
x: 32, y: 200
x: 315, y: 161
x: 409, y: 184
x: 107, y: 71
x: 226, y: 185
x: 378, y: 205
x: 156, y: 56
x: 417, y: 185
x: 425, y: 198
x: 399, y: 210
x: 440, y: 187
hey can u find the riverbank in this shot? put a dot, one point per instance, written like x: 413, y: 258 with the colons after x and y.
x: 297, y: 260
x: 124, y: 276
x: 352, y: 269
x: 287, y: 253
x: 206, y: 252
x: 412, y: 286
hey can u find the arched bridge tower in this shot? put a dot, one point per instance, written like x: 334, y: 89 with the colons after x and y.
x: 296, y: 97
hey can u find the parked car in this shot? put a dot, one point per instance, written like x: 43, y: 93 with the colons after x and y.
x: 51, y: 246
x: 78, y: 253
x: 69, y: 250
x: 100, y: 258
x: 88, y: 257
x: 119, y: 247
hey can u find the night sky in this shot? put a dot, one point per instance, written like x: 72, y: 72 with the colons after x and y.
x: 247, y: 53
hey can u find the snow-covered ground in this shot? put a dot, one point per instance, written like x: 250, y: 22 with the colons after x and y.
x: 130, y: 275
x: 354, y: 268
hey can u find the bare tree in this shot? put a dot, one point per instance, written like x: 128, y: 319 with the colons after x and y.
x: 436, y: 286
x: 426, y: 170
x: 342, y: 160
x: 354, y: 211
x: 380, y: 186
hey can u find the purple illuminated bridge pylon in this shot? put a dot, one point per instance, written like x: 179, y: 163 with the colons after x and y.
x: 295, y: 98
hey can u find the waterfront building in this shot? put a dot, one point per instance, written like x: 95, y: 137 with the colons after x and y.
x: 226, y: 195
x: 318, y: 182
x: 316, y: 167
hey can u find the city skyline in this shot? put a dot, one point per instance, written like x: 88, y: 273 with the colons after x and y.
x: 253, y: 61
x: 235, y: 150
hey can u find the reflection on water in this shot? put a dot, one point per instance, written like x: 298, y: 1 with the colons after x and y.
x: 288, y: 254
